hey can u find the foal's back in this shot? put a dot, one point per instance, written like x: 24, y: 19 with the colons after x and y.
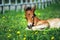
x: 54, y: 23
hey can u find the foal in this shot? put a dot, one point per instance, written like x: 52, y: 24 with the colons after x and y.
x: 36, y: 24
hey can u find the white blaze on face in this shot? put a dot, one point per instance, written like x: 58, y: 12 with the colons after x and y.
x: 29, y: 24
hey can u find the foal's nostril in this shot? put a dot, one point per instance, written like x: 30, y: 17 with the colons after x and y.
x: 29, y: 26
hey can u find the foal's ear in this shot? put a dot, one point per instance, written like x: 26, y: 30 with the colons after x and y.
x: 26, y: 7
x: 33, y: 8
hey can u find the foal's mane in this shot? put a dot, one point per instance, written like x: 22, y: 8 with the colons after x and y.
x: 28, y: 8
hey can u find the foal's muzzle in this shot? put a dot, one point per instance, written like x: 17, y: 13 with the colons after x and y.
x: 30, y: 26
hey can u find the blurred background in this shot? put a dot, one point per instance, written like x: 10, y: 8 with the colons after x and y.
x: 13, y: 22
x: 19, y: 4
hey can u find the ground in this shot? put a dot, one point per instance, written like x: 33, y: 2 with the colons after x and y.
x: 13, y: 24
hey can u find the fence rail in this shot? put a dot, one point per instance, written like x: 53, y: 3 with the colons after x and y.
x: 15, y: 5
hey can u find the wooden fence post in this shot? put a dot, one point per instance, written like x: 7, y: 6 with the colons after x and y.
x: 34, y: 1
x: 45, y: 3
x: 26, y: 1
x: 9, y: 4
x: 54, y: 1
x: 48, y: 2
x: 39, y: 4
x: 16, y: 5
x: 22, y: 5
x: 30, y: 1
x: 2, y: 6
x: 42, y: 4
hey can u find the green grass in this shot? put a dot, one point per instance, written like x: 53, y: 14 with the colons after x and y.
x: 13, y: 24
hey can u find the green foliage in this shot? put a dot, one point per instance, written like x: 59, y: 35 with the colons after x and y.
x: 13, y: 24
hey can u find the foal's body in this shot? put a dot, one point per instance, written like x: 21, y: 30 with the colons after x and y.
x: 38, y: 21
x: 50, y: 23
x: 54, y: 23
x: 36, y: 24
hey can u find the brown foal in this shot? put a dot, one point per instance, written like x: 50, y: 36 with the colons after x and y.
x: 35, y: 23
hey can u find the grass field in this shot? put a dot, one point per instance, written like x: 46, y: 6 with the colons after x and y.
x: 13, y: 24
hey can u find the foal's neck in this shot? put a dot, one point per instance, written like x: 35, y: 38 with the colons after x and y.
x: 36, y: 20
x: 36, y: 17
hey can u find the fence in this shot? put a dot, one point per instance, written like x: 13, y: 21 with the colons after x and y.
x: 19, y: 4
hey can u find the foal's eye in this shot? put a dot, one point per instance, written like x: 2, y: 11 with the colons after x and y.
x: 28, y: 14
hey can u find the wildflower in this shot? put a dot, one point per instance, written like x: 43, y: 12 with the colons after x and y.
x: 44, y: 32
x: 52, y: 38
x: 9, y: 30
x: 23, y: 16
x: 25, y: 35
x: 24, y: 38
x: 18, y: 32
x: 38, y: 13
x: 12, y: 26
x: 17, y: 15
x: 14, y: 21
x: 4, y: 20
x: 3, y: 17
x: 36, y: 32
x: 9, y: 16
x: 9, y: 35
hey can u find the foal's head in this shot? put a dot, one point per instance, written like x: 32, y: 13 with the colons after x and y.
x: 29, y: 14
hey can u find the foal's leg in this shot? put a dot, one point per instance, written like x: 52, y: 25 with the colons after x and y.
x: 39, y: 27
